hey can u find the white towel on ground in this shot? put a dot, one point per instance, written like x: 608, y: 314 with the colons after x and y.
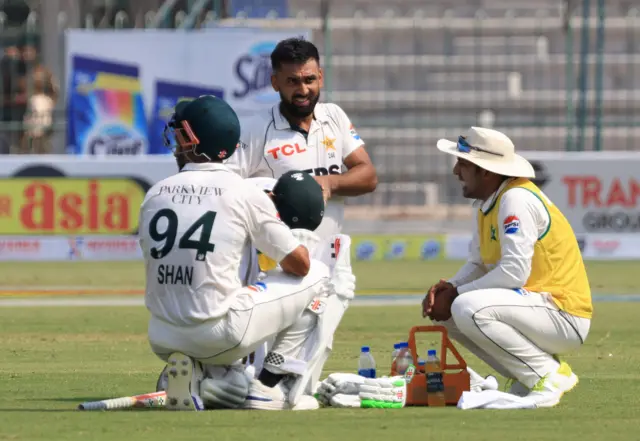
x: 493, y: 399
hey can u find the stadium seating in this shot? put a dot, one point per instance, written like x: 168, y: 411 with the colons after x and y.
x: 409, y: 72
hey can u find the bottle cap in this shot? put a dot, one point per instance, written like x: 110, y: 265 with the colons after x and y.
x: 365, y: 349
x: 397, y: 346
x: 404, y: 344
x: 431, y: 352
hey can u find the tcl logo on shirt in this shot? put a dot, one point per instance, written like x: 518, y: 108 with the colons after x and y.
x: 316, y: 160
x: 286, y: 150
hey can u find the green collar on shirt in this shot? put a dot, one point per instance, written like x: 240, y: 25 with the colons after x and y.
x: 487, y: 206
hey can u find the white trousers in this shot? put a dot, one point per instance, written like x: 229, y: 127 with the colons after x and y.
x: 255, y: 317
x: 516, y: 332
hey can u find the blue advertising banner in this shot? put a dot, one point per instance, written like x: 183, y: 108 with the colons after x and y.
x: 123, y: 84
x: 106, y: 111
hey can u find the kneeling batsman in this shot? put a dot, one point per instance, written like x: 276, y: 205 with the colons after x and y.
x: 287, y: 375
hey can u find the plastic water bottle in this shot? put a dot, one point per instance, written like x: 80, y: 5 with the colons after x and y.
x: 435, y: 383
x: 366, y: 364
x: 404, y: 358
x: 396, y: 351
x: 396, y: 348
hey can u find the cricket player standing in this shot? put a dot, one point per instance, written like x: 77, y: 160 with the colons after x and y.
x: 198, y: 229
x: 523, y: 297
x: 301, y: 134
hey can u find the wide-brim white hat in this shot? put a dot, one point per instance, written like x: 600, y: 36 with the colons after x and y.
x: 490, y: 150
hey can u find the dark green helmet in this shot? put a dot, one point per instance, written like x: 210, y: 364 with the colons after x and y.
x: 299, y: 200
x: 206, y: 126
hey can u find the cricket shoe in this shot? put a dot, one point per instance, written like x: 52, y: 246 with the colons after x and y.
x: 549, y: 390
x: 183, y: 386
x: 262, y: 397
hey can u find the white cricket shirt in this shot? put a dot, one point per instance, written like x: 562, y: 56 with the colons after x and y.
x: 197, y: 229
x: 514, y: 268
x: 270, y: 148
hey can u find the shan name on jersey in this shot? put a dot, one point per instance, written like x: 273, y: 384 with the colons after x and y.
x: 175, y: 274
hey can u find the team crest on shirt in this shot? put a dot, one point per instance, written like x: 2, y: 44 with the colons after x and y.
x: 511, y: 224
x: 329, y: 143
x: 494, y: 236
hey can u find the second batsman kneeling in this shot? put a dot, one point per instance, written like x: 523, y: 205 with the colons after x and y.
x: 202, y: 313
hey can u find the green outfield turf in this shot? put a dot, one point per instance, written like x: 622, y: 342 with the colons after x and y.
x: 611, y: 277
x: 55, y: 358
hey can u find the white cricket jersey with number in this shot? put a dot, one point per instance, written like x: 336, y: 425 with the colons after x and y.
x: 197, y: 230
x: 270, y: 148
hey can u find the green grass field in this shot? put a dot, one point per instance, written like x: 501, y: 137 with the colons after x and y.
x: 606, y: 277
x: 55, y: 358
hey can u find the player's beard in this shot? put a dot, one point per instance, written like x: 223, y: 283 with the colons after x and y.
x: 297, y: 111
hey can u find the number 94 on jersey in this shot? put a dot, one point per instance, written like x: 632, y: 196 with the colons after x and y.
x: 163, y: 231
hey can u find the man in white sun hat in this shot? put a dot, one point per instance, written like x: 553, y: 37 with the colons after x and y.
x: 523, y: 297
